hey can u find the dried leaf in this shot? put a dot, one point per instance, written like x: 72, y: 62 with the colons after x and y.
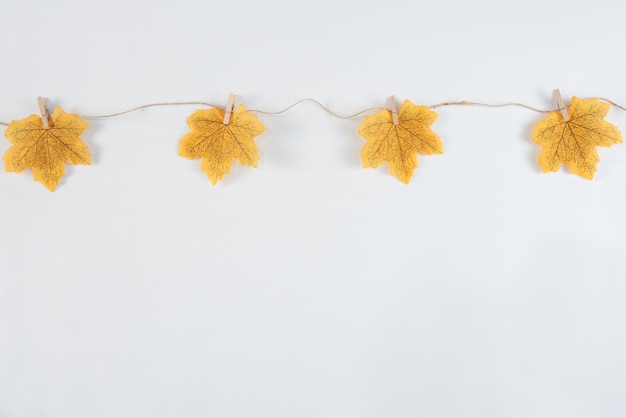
x: 46, y: 150
x: 218, y: 144
x: 399, y: 144
x: 573, y: 142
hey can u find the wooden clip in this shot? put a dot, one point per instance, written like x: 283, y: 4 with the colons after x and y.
x: 43, y: 109
x: 559, y: 103
x: 230, y: 107
x: 394, y: 109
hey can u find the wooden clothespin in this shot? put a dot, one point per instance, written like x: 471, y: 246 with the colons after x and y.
x: 230, y: 107
x: 394, y: 109
x: 560, y: 105
x: 43, y: 109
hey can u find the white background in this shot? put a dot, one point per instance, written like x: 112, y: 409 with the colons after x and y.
x: 312, y: 287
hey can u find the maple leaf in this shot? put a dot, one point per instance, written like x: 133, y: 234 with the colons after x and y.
x: 573, y: 142
x: 218, y: 144
x: 399, y: 144
x: 46, y: 150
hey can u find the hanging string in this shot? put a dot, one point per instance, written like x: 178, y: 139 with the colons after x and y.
x: 324, y: 108
x: 467, y: 103
x: 612, y: 103
x: 332, y: 113
x: 134, y: 109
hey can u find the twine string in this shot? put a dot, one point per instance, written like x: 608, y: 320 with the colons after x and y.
x: 331, y: 112
x: 322, y: 106
x: 509, y: 104
x: 134, y: 109
x: 612, y: 103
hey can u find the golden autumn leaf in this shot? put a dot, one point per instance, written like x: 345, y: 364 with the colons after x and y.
x: 46, y: 150
x: 573, y: 142
x: 218, y: 144
x: 399, y: 144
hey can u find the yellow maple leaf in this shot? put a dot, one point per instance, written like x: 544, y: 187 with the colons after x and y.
x: 399, y: 144
x: 218, y: 144
x: 46, y: 150
x: 573, y: 142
